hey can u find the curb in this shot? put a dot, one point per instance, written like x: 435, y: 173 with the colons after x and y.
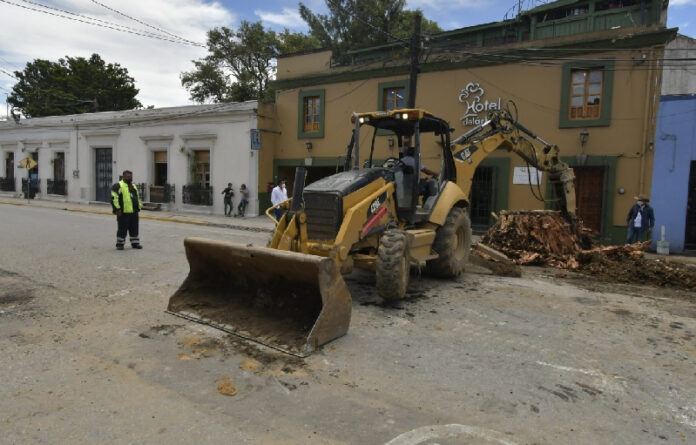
x: 157, y: 218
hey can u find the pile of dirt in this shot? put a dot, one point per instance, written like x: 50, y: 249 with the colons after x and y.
x: 538, y: 237
x: 627, y: 264
x: 546, y: 238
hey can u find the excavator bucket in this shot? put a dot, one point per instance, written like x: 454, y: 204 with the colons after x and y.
x: 288, y: 301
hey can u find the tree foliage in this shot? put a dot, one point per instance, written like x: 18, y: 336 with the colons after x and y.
x: 240, y: 64
x: 72, y: 85
x: 353, y: 24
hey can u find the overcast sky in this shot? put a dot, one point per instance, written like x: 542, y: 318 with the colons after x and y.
x: 155, y: 64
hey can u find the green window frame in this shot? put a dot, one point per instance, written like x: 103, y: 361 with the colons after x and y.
x: 573, y: 90
x: 384, y: 87
x: 317, y: 112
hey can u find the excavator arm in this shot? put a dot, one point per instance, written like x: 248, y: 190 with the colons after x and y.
x: 501, y: 131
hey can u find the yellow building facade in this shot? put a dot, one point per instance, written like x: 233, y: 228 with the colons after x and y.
x: 594, y: 93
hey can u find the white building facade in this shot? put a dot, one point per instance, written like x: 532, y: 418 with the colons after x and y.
x: 182, y: 158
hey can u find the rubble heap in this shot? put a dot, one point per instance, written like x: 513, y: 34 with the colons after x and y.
x: 537, y: 237
x: 546, y: 238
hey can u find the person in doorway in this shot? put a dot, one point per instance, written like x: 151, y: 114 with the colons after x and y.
x: 640, y: 219
x: 278, y: 195
x: 229, y: 193
x: 125, y: 203
x: 244, y: 192
x: 426, y: 187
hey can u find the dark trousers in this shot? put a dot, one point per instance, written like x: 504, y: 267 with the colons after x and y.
x: 241, y: 208
x: 635, y: 233
x: 127, y: 222
x: 228, y: 203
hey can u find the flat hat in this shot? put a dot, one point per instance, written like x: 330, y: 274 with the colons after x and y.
x: 642, y: 197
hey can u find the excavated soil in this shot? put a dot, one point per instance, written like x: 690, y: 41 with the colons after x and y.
x: 546, y: 238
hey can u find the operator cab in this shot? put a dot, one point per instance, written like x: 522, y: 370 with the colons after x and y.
x: 411, y: 128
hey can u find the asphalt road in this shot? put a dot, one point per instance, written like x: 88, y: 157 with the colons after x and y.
x: 88, y: 355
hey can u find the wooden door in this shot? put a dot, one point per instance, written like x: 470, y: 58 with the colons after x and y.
x: 589, y: 188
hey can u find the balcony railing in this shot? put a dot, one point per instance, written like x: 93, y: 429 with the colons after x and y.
x: 30, y: 192
x: 57, y: 187
x: 194, y: 194
x: 7, y: 184
x: 141, y: 191
x: 162, y: 193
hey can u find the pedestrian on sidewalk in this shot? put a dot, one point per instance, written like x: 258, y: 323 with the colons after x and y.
x: 640, y: 219
x: 244, y: 192
x: 125, y: 204
x: 229, y: 193
x: 278, y: 195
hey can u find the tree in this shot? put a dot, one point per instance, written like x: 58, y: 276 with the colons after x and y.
x: 240, y: 64
x: 353, y: 24
x: 72, y: 86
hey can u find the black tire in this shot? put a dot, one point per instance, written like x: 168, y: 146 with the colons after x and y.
x: 392, y: 265
x: 452, y: 244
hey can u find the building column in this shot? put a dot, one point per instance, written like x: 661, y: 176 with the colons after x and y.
x: 44, y: 167
x: 19, y: 172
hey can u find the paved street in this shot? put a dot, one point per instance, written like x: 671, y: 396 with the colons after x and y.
x: 89, y: 356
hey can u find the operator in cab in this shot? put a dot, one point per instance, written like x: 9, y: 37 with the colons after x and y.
x: 426, y: 187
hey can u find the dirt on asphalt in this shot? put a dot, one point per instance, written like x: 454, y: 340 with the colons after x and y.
x: 546, y: 238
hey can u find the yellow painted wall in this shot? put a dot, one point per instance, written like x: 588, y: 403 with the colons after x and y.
x: 536, y: 89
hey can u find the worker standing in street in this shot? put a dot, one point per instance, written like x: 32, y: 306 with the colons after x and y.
x: 640, y: 219
x: 125, y: 203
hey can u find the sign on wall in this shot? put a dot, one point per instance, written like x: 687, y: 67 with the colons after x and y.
x: 255, y: 139
x: 476, y: 106
x: 526, y: 175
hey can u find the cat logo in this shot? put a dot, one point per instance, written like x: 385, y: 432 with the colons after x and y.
x: 465, y: 155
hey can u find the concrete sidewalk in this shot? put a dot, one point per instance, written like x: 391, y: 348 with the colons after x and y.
x: 254, y: 224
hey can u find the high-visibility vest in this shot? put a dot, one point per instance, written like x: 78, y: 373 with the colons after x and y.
x: 121, y: 198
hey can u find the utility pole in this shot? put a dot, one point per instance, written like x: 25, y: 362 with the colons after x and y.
x: 415, y: 55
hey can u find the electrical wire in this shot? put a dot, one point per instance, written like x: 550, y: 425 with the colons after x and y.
x: 7, y: 73
x: 115, y: 28
x: 360, y: 19
x: 143, y: 23
x: 99, y: 20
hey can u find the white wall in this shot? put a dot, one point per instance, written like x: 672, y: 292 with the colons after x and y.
x: 133, y: 137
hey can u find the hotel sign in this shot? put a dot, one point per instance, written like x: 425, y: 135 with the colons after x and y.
x: 476, y: 106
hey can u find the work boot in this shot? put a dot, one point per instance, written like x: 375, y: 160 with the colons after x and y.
x: 136, y: 246
x: 119, y: 247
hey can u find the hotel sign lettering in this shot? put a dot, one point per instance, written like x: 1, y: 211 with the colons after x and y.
x: 476, y: 106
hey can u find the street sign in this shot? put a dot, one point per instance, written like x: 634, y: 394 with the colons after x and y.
x: 28, y: 163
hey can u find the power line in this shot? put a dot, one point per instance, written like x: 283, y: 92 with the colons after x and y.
x: 115, y: 28
x: 41, y: 5
x: 7, y: 73
x: 143, y: 23
x: 360, y: 19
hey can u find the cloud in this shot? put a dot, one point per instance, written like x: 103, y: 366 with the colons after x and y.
x: 682, y: 3
x: 154, y: 64
x: 446, y: 5
x: 289, y: 18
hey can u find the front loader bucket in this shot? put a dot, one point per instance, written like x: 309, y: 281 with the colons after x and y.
x: 285, y: 300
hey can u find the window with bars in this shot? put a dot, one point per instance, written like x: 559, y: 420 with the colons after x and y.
x: 59, y: 165
x: 586, y: 94
x: 202, y: 159
x: 311, y: 113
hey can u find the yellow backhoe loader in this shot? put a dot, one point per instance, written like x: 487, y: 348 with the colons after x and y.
x: 291, y: 296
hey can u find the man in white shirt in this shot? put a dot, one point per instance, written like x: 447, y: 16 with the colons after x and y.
x: 278, y: 195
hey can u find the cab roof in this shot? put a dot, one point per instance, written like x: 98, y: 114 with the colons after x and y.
x: 402, y: 121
